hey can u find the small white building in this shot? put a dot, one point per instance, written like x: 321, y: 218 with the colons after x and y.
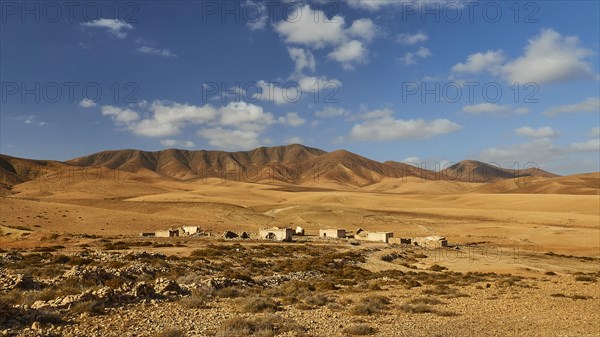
x: 434, y: 241
x: 380, y: 236
x: 191, y: 230
x: 276, y: 234
x: 299, y: 231
x: 332, y: 233
x: 169, y: 233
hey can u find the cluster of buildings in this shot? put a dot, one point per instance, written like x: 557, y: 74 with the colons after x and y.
x: 177, y: 232
x: 285, y: 234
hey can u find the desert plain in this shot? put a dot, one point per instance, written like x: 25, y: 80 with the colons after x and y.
x: 523, y: 255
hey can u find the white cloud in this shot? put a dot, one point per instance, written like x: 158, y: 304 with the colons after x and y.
x: 302, y: 28
x: 302, y: 59
x: 478, y: 62
x: 347, y: 53
x: 116, y: 27
x: 298, y: 87
x: 292, y: 119
x: 410, y: 39
x: 549, y: 58
x: 157, y: 51
x: 521, y: 111
x: 294, y: 140
x: 330, y: 111
x: 257, y: 15
x: 29, y: 119
x: 423, y: 52
x: 535, y: 150
x: 592, y: 145
x: 245, y: 116
x: 409, y: 57
x: 372, y: 5
x: 236, y: 125
x: 228, y: 139
x: 87, y: 103
x: 487, y: 109
x: 541, y: 132
x: 364, y: 28
x: 187, y: 144
x: 120, y: 115
x: 313, y: 29
x: 381, y: 125
x: 591, y: 104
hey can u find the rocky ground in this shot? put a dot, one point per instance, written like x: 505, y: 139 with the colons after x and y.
x: 224, y: 289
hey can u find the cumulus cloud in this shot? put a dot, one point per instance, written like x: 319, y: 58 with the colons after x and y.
x: 478, y: 62
x: 591, y: 104
x: 157, y: 51
x: 409, y: 57
x: 302, y: 28
x: 292, y: 91
x: 352, y: 51
x: 187, y: 144
x: 87, y: 103
x: 550, y: 58
x: 235, y: 125
x: 592, y: 145
x: 302, y: 59
x: 381, y: 125
x: 257, y: 15
x: 541, y: 132
x: 116, y: 27
x: 411, y: 39
x: 120, y: 115
x: 330, y: 111
x: 228, y: 139
x: 313, y: 29
x: 292, y: 119
x: 364, y: 28
x: 492, y: 109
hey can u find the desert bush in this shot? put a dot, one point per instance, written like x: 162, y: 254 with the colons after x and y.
x: 370, y: 305
x: 257, y: 304
x: 317, y: 300
x: 266, y: 326
x: 551, y: 273
x: 425, y: 300
x: 197, y: 300
x: 417, y: 308
x: 359, y: 330
x: 46, y: 316
x: 93, y: 308
x: 585, y: 278
x: 437, y: 267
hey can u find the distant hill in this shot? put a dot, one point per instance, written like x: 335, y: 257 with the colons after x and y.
x: 478, y: 172
x: 299, y: 165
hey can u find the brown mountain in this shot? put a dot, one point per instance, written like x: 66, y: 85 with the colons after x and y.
x: 14, y: 170
x: 296, y: 164
x: 476, y: 171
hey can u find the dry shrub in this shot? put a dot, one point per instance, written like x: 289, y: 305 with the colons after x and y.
x: 265, y: 326
x: 425, y: 300
x: 417, y: 308
x: 93, y: 308
x: 257, y: 304
x: 197, y: 300
x: 370, y: 305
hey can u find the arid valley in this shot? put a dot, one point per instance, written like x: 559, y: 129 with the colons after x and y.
x: 523, y: 253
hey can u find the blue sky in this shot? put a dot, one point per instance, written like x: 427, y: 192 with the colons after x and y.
x: 379, y: 78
